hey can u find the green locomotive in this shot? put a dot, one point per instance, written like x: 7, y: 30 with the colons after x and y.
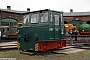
x: 42, y: 30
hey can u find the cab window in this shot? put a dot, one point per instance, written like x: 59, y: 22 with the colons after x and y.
x: 51, y: 17
x: 56, y: 19
x: 26, y: 19
x: 44, y: 17
x: 61, y: 18
x: 34, y: 18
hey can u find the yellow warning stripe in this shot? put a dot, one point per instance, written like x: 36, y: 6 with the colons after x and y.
x: 36, y: 47
x: 18, y: 45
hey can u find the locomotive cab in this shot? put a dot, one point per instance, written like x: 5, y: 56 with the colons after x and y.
x: 42, y: 30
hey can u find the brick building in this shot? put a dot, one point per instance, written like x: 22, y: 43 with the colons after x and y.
x: 7, y: 14
x: 70, y: 16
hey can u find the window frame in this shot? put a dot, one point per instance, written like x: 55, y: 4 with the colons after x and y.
x: 44, y: 21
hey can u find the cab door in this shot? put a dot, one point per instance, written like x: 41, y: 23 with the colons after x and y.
x: 56, y: 25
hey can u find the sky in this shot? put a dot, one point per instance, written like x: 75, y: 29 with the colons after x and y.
x: 58, y: 5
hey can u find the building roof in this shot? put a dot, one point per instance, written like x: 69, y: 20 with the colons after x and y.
x: 14, y: 11
x: 76, y: 14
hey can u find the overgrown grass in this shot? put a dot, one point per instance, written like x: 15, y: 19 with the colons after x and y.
x: 74, y: 56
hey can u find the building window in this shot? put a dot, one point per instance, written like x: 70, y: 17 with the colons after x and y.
x: 76, y: 18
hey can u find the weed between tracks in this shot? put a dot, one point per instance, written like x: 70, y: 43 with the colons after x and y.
x: 75, y: 56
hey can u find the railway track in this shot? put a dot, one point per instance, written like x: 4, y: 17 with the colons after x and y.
x: 11, y: 44
x: 5, y: 46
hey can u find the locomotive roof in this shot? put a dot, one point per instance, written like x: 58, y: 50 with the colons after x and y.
x: 76, y: 14
x: 14, y: 11
x: 44, y: 10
